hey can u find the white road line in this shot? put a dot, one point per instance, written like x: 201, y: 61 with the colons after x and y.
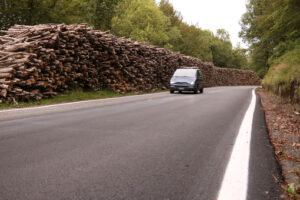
x: 235, y: 182
x: 72, y: 103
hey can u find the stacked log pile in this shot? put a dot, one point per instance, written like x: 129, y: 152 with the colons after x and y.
x: 41, y: 61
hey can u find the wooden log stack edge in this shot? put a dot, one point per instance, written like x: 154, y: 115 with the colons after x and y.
x: 41, y: 61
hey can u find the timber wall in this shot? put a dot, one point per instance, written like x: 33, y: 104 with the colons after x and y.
x: 41, y: 61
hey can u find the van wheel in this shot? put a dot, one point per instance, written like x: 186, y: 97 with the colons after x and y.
x: 196, y: 91
x: 201, y: 91
x: 171, y: 91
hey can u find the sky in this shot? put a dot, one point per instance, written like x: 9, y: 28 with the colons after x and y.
x: 213, y: 14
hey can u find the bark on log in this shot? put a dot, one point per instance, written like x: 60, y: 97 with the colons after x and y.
x: 5, y: 75
x: 6, y: 70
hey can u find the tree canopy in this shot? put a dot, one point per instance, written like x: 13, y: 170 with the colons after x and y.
x: 141, y: 20
x: 31, y: 12
x: 271, y: 27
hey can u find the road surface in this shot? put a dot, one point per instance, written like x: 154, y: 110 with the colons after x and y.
x: 149, y: 147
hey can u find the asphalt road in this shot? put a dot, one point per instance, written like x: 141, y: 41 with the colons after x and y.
x: 150, y: 147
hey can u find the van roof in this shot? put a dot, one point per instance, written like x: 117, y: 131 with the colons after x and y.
x: 185, y: 72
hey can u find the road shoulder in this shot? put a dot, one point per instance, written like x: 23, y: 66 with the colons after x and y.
x: 264, y: 171
x: 284, y: 128
x: 17, y: 113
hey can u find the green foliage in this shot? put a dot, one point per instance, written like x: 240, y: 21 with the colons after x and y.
x: 64, y: 11
x: 141, y: 20
x: 223, y: 35
x: 284, y: 69
x: 284, y: 75
x: 21, y: 12
x: 203, y: 44
x: 239, y: 58
x: 258, y: 61
x: 272, y: 27
x: 174, y: 34
x: 97, y: 13
x: 167, y: 8
x: 175, y: 38
x: 291, y: 189
x: 195, y: 42
x: 206, y: 41
x: 173, y: 31
x: 102, y: 12
x: 31, y: 12
x: 222, y: 49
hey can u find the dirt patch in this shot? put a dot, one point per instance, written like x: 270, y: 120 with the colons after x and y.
x: 284, y: 128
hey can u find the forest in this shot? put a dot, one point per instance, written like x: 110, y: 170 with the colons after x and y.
x: 142, y: 20
x: 272, y: 28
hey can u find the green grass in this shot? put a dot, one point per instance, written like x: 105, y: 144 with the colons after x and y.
x: 71, y: 97
x: 284, y: 69
x: 291, y: 189
x: 283, y: 72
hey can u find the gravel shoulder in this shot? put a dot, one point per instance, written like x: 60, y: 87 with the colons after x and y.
x: 284, y: 128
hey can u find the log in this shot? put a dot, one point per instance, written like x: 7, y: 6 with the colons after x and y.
x: 4, y: 81
x: 14, y: 62
x: 4, y: 86
x: 17, y: 47
x: 5, y: 75
x: 3, y: 92
x: 6, y: 70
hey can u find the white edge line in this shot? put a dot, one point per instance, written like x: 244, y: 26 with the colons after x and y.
x: 77, y: 102
x: 235, y: 181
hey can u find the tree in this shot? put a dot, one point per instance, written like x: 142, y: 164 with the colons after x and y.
x: 65, y: 11
x: 167, y: 8
x: 141, y: 20
x: 202, y: 44
x: 12, y: 12
x: 195, y: 42
x: 259, y: 56
x: 174, y: 33
x: 31, y: 12
x: 272, y: 27
x: 222, y: 34
x: 102, y: 12
x: 222, y: 49
x: 239, y: 58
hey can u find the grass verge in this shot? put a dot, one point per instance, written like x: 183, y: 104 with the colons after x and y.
x: 283, y: 78
x: 72, y: 97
